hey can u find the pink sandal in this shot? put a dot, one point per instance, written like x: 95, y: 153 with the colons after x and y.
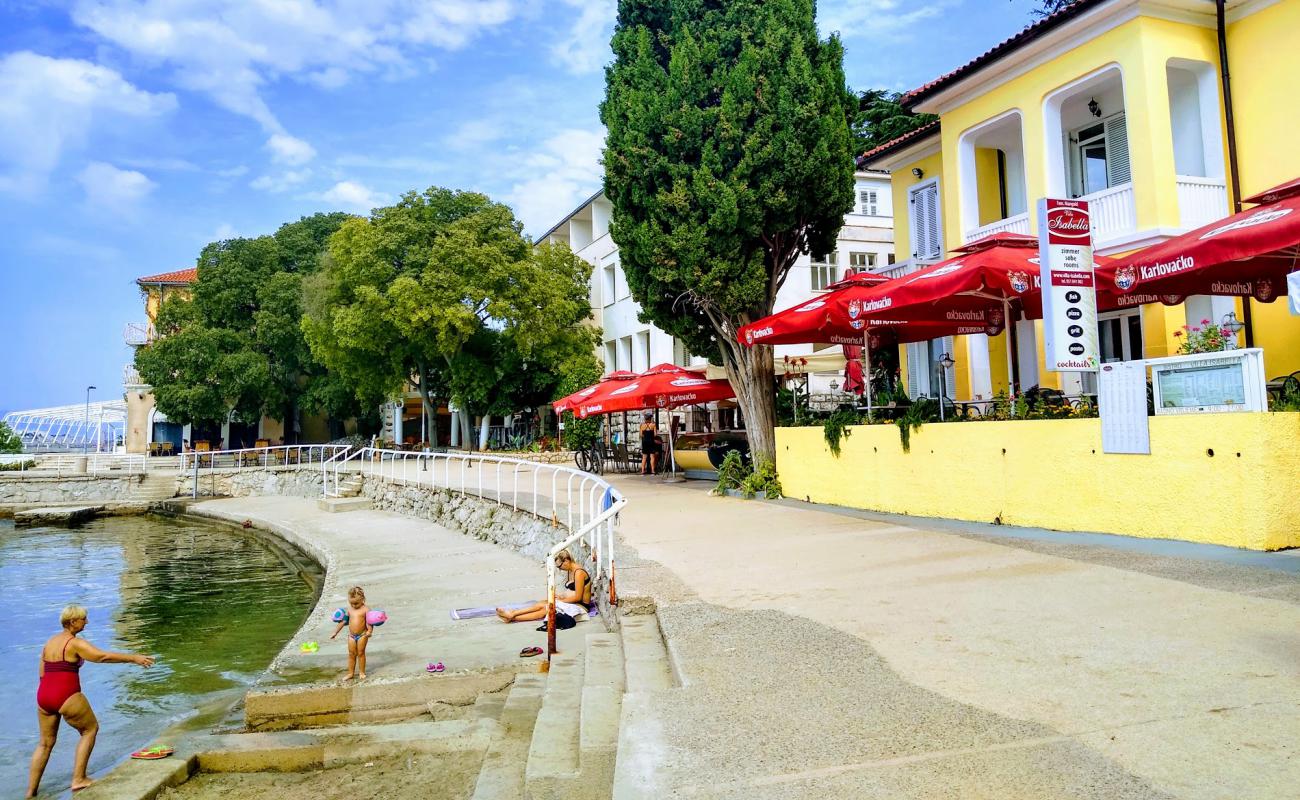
x: 435, y: 667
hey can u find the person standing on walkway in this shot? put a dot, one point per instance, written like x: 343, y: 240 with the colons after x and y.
x: 59, y: 695
x: 649, y: 445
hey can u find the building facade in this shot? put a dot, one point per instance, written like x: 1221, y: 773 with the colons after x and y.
x: 866, y: 242
x: 1120, y: 103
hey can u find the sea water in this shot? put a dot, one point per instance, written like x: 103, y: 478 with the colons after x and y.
x: 212, y: 604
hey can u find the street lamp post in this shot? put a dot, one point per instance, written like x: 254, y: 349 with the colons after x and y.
x: 945, y: 364
x: 85, y: 425
x: 1232, y: 326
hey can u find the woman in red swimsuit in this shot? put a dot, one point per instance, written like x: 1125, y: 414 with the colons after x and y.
x: 59, y: 694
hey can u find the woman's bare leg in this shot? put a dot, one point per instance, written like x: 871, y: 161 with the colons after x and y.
x: 507, y: 615
x: 49, y: 726
x: 77, y: 711
x: 529, y: 614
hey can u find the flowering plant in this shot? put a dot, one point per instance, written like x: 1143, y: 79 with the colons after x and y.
x: 1206, y: 338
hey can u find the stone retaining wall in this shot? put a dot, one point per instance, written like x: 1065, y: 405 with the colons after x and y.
x: 254, y: 482
x: 472, y: 516
x: 18, y: 490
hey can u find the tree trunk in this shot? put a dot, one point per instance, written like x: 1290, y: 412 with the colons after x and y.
x: 430, y: 408
x: 751, y: 373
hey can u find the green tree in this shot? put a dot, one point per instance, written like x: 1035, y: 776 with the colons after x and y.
x: 579, y: 433
x: 237, y: 346
x: 728, y: 156
x: 1047, y: 8
x: 881, y: 118
x: 443, y: 291
x: 10, y: 442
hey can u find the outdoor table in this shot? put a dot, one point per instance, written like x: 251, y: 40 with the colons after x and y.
x: 964, y: 406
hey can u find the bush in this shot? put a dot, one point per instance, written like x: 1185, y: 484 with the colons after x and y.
x: 9, y: 441
x: 732, y: 473
x: 763, y: 480
x: 836, y: 428
x: 15, y: 466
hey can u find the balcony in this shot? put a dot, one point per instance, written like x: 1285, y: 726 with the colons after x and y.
x: 1201, y: 200
x: 137, y: 334
x: 1018, y: 223
x: 1114, y: 213
x: 131, y: 377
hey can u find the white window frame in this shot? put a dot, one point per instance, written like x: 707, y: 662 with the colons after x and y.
x: 826, y: 271
x: 869, y: 202
x: 608, y: 284
x: 868, y: 259
x: 912, y: 193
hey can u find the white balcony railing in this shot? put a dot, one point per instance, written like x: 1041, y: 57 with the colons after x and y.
x: 138, y: 333
x: 1016, y: 224
x: 1113, y: 213
x: 1201, y: 200
x: 130, y: 377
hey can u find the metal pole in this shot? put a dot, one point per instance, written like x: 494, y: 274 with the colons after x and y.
x: 1006, y: 334
x: 86, y: 421
x: 866, y: 368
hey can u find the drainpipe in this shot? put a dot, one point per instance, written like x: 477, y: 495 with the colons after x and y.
x: 1234, y: 177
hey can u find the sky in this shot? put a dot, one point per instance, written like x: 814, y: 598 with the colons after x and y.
x: 133, y: 132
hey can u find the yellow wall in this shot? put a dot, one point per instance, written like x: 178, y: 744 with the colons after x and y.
x: 990, y: 195
x: 155, y: 295
x: 1052, y: 474
x: 1268, y: 117
x: 901, y: 180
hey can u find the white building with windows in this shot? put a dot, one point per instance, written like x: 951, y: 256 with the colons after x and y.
x: 866, y: 242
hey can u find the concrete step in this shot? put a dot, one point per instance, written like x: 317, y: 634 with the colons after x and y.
x: 602, y: 703
x: 554, y: 755
x: 338, y: 505
x: 489, y: 705
x: 502, y: 774
x: 645, y: 655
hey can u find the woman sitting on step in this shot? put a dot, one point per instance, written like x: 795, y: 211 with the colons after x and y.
x: 573, y: 602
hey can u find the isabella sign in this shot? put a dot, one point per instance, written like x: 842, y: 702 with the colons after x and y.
x: 1069, y: 298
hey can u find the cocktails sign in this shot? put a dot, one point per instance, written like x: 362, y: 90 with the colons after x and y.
x: 1069, y: 297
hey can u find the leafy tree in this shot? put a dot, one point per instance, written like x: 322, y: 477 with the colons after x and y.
x: 237, y: 346
x: 443, y: 291
x: 1046, y: 8
x: 11, y: 442
x: 579, y: 433
x: 881, y: 118
x: 729, y: 155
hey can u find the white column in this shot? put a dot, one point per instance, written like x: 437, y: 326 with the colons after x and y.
x: 977, y: 357
x: 484, y: 422
x: 455, y: 427
x: 399, y: 411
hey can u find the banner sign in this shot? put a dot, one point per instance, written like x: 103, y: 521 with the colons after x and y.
x: 1069, y: 295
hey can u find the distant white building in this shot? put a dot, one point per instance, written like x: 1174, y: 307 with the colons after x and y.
x: 866, y: 242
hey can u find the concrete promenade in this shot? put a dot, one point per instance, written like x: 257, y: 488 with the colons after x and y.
x: 828, y: 655
x: 415, y: 570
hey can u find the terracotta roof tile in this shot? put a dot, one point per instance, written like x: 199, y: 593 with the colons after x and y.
x: 176, y: 276
x: 895, y: 144
x: 1001, y: 49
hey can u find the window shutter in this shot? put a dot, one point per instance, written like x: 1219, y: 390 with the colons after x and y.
x: 926, y: 242
x: 918, y: 369
x: 1117, y: 166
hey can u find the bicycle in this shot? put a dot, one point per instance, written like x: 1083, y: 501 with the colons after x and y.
x: 590, y: 459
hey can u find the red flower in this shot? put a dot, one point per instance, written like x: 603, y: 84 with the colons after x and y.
x: 1179, y: 334
x: 1205, y: 322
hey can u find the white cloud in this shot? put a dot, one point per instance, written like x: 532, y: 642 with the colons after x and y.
x: 113, y: 189
x: 223, y: 232
x: 586, y: 47
x: 562, y: 174
x: 49, y: 105
x: 352, y: 196
x: 286, y: 149
x: 281, y: 182
x: 232, y: 51
x: 874, y: 18
x: 233, y: 172
x: 168, y: 164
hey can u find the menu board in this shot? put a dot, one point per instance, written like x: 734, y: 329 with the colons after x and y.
x: 1123, y: 398
x: 1210, y: 385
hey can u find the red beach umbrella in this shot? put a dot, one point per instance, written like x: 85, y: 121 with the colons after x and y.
x: 661, y: 386
x: 567, y: 403
x: 1248, y: 254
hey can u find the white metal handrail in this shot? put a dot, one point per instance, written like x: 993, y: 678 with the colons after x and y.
x: 260, y: 457
x: 65, y: 464
x: 598, y: 536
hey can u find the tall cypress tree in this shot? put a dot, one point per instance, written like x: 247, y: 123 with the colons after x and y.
x: 729, y: 155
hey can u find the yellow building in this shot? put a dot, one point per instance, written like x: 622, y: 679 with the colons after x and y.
x: 1121, y: 103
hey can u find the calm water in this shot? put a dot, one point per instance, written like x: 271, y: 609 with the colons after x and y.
x: 213, y: 605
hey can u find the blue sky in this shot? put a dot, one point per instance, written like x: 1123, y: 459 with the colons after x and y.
x: 132, y: 132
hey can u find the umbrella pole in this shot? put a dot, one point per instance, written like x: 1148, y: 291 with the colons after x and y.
x: 1010, y: 351
x: 866, y: 368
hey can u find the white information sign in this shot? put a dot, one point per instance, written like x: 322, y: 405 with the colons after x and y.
x: 1069, y: 296
x: 1204, y: 383
x: 1122, y: 397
